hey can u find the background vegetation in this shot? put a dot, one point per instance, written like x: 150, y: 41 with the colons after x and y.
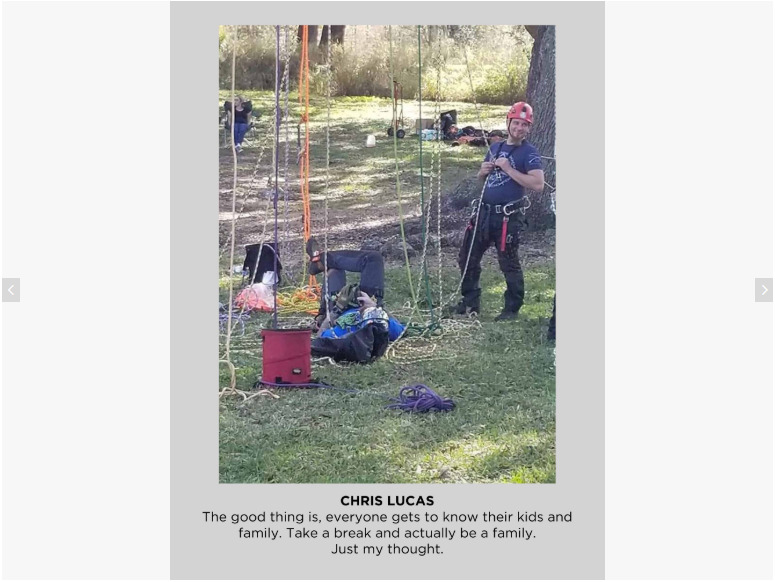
x: 498, y: 60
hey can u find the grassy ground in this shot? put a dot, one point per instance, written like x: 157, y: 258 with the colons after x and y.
x: 500, y: 375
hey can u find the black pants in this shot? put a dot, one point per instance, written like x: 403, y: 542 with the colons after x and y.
x: 368, y: 263
x: 488, y: 233
x: 552, y: 333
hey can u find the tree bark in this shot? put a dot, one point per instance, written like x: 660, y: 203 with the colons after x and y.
x: 534, y: 31
x: 337, y: 35
x: 323, y: 36
x: 313, y: 33
x: 540, y: 94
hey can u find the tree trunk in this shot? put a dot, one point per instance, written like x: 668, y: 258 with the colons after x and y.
x: 540, y: 94
x: 337, y: 35
x: 323, y: 36
x: 312, y: 32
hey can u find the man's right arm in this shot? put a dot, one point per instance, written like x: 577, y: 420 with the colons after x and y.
x: 487, y: 166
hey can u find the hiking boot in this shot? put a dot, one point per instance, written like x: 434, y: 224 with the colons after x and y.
x: 463, y: 309
x: 313, y: 248
x: 506, y: 316
x: 316, y: 262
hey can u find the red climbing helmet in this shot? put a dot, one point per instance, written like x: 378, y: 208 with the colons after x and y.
x: 520, y: 110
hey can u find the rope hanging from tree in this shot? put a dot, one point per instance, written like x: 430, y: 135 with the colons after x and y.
x: 425, y: 218
x: 437, y: 157
x: 481, y: 194
x: 304, y: 166
x: 398, y: 181
x: 233, y: 195
x: 326, y: 290
x: 276, y: 165
x: 286, y: 113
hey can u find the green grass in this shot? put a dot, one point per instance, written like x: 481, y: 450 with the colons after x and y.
x: 501, y: 375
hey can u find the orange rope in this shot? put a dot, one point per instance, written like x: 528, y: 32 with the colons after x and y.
x: 304, y: 164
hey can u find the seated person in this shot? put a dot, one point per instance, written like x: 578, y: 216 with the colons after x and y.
x: 448, y: 127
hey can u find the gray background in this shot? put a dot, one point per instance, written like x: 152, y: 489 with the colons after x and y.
x: 204, y: 551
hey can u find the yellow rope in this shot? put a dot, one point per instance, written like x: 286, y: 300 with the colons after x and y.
x: 303, y: 300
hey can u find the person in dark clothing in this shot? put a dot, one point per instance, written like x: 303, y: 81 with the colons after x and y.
x: 448, y: 128
x: 242, y: 111
x: 509, y: 168
x: 368, y: 263
x: 551, y: 335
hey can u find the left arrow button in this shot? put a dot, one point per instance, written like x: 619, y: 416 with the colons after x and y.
x: 11, y: 290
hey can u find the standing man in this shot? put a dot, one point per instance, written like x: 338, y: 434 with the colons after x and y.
x: 509, y: 168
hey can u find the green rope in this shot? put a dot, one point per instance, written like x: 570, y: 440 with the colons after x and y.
x: 422, y: 178
x: 418, y: 329
x: 398, y: 182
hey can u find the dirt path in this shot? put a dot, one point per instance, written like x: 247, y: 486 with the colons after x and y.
x: 362, y: 205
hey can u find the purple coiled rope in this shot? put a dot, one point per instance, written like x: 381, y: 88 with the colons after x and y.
x: 240, y: 317
x: 420, y: 398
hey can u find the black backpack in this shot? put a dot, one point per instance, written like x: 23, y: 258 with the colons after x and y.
x: 258, y: 265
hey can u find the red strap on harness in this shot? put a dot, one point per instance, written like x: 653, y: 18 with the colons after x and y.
x: 503, y: 233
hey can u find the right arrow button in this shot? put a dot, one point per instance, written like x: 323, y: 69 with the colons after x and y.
x: 764, y: 290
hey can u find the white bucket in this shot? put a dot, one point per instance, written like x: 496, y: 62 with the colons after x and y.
x: 371, y: 141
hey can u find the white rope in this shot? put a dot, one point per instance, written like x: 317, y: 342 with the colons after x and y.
x: 233, y: 203
x: 425, y: 216
x: 268, y: 202
x: 473, y: 96
x: 397, y: 174
x: 326, y: 291
x: 286, y: 120
x: 248, y: 190
x: 481, y: 195
x: 439, y: 63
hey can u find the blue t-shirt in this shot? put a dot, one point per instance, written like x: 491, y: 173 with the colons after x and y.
x: 501, y: 189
